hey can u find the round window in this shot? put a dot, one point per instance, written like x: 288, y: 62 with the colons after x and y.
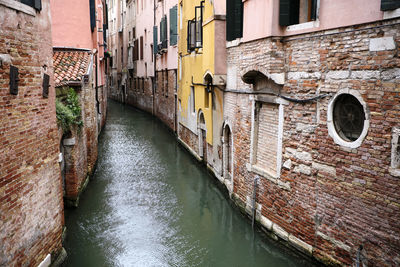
x: 348, y: 117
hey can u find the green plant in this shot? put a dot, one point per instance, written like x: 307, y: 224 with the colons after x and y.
x: 69, y: 112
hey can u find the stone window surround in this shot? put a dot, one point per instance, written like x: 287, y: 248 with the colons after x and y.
x: 251, y: 167
x: 395, y: 160
x: 331, y: 127
x: 18, y: 6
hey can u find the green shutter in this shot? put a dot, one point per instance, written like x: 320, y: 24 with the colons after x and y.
x: 173, y: 25
x: 155, y: 40
x: 92, y: 15
x: 234, y: 19
x: 389, y: 4
x: 284, y: 12
x: 238, y: 18
x: 289, y: 12
x: 165, y: 29
x: 161, y: 30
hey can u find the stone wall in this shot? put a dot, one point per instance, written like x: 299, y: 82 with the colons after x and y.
x: 31, y: 204
x: 329, y: 199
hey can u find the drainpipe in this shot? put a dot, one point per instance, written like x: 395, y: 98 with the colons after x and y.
x: 154, y: 61
x: 96, y: 83
x: 254, y: 200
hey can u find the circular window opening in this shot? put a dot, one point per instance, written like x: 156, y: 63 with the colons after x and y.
x: 348, y: 117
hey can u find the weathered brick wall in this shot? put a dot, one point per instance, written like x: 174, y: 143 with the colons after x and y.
x: 164, y: 97
x: 140, y: 93
x: 189, y: 138
x: 76, y: 166
x: 31, y: 205
x: 338, y: 198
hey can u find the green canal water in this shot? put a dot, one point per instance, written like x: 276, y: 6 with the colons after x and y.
x: 150, y: 204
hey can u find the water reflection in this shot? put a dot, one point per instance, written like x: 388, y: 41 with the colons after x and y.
x: 150, y: 204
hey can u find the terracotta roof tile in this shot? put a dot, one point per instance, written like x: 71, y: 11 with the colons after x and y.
x: 70, y: 65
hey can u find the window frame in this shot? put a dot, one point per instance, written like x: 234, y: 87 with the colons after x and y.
x: 331, y: 125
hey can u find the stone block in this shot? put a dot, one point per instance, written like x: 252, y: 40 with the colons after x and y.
x: 382, y: 44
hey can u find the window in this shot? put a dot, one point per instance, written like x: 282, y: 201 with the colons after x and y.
x: 122, y: 55
x: 267, y: 133
x: 297, y: 11
x: 195, y: 30
x: 92, y: 15
x: 36, y: 4
x: 192, y: 102
x: 135, y: 50
x: 389, y: 5
x: 141, y: 47
x: 155, y: 40
x: 173, y: 25
x: 348, y: 119
x: 163, y: 34
x: 234, y: 19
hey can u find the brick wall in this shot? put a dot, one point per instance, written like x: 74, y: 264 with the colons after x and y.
x: 331, y: 198
x: 140, y: 93
x: 164, y: 106
x: 31, y: 205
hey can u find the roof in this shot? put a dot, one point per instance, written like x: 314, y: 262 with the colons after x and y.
x: 70, y: 65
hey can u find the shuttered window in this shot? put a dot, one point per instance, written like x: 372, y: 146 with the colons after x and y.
x: 92, y: 15
x: 234, y: 19
x: 173, y: 25
x: 155, y: 39
x: 389, y: 4
x: 136, y: 50
x: 141, y: 47
x: 36, y: 4
x: 294, y: 12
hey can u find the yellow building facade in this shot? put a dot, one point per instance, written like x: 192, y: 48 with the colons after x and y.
x: 201, y: 78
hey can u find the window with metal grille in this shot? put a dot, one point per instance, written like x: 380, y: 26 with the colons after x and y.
x: 348, y: 117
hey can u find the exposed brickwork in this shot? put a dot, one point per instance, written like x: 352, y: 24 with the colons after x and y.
x: 31, y: 205
x: 189, y: 138
x: 140, y: 93
x: 339, y: 198
x: 164, y: 106
x: 80, y: 145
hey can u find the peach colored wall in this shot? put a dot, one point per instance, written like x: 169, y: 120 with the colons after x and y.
x: 220, y: 49
x: 261, y: 17
x: 170, y: 59
x: 257, y: 19
x: 144, y: 21
x: 219, y: 7
x: 71, y: 23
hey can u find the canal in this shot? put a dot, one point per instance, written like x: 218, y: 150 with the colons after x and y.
x: 150, y: 204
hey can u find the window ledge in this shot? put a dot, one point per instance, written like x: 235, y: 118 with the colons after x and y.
x: 266, y: 174
x: 394, y: 172
x: 233, y: 43
x: 303, y: 26
x: 391, y: 14
x: 19, y: 7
